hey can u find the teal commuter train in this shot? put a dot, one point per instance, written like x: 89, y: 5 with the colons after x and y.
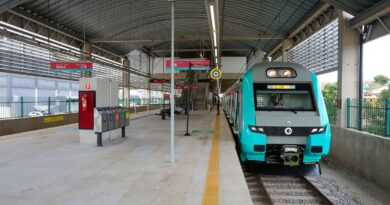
x: 278, y: 115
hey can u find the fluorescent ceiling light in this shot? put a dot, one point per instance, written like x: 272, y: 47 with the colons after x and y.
x: 212, y: 17
x: 216, y: 53
x: 216, y: 60
x: 32, y: 34
x: 215, y: 39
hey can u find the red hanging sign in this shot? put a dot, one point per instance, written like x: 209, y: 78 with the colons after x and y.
x: 158, y: 80
x: 71, y: 66
x: 185, y: 64
x: 186, y: 87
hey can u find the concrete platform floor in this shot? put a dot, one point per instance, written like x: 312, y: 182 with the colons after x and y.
x: 50, y: 167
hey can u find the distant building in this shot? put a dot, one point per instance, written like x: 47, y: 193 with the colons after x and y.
x: 373, y: 93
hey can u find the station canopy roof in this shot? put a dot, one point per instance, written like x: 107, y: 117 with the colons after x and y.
x: 125, y: 25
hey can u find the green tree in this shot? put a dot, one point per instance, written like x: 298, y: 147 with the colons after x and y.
x: 330, y: 92
x: 381, y: 79
x: 384, y: 94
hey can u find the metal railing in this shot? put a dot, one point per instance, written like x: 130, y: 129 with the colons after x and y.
x: 371, y: 115
x: 30, y: 108
x: 133, y: 102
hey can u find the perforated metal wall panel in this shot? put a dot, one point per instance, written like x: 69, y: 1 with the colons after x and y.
x: 319, y: 52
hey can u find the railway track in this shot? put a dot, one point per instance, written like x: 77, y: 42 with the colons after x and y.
x: 280, y: 190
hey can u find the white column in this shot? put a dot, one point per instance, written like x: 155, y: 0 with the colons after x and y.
x: 348, y: 67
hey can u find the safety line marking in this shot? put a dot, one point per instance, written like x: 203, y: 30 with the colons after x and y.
x: 211, y: 192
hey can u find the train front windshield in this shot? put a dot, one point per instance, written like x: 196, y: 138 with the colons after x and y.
x: 291, y: 97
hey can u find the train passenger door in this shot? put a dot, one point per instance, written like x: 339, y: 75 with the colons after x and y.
x: 236, y: 108
x: 234, y: 102
x: 239, y: 111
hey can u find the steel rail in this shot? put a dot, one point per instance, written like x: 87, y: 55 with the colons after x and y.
x: 268, y: 195
x: 319, y: 192
x: 310, y: 186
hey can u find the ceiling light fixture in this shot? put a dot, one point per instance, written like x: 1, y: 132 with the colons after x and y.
x: 215, y: 39
x: 212, y: 17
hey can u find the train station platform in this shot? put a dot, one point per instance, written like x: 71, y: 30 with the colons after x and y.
x: 49, y: 166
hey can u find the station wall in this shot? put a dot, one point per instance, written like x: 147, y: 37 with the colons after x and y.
x: 363, y: 154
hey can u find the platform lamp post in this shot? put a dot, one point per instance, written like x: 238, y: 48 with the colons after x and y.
x: 172, y: 99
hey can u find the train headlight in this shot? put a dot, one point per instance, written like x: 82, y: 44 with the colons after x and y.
x: 253, y: 129
x: 271, y: 73
x: 256, y: 129
x: 281, y: 72
x: 287, y: 73
x: 318, y: 130
x: 260, y: 129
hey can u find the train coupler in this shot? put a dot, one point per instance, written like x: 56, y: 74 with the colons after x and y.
x: 290, y: 155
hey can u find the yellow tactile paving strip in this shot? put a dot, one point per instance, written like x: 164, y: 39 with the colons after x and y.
x: 211, y: 192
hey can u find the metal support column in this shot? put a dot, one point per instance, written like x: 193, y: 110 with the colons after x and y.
x: 123, y: 132
x: 21, y: 107
x: 387, y: 118
x: 99, y: 140
x: 172, y: 97
x: 187, y: 105
x: 360, y: 94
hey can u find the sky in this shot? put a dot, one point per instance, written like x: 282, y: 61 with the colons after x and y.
x: 376, y: 61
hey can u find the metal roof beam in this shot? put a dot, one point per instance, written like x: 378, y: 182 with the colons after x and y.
x: 320, y: 17
x: 371, y: 14
x: 383, y: 24
x: 30, y: 17
x: 200, y: 50
x: 252, y: 37
x: 319, y: 9
x: 344, y: 6
x: 54, y: 28
x: 9, y: 4
x: 186, y: 38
